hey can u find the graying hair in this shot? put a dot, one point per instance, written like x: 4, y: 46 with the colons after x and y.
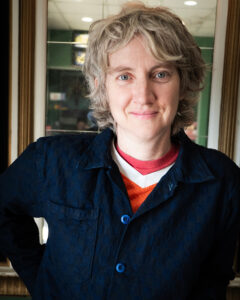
x: 168, y: 41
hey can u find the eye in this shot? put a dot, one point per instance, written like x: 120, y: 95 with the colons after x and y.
x: 162, y: 75
x: 124, y: 77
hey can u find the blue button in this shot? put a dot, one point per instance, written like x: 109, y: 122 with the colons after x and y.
x: 125, y: 219
x: 120, y: 268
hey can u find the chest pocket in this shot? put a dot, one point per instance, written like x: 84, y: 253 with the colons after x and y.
x: 71, y: 242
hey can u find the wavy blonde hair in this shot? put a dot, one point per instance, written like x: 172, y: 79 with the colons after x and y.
x: 168, y: 41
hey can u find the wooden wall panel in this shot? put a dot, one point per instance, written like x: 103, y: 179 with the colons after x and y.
x: 26, y: 72
x: 230, y: 83
x: 12, y: 286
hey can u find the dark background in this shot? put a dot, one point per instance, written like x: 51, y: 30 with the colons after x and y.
x: 4, y: 90
x: 4, y: 118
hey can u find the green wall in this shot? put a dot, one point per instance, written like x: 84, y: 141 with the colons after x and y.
x: 206, y: 44
x: 59, y: 55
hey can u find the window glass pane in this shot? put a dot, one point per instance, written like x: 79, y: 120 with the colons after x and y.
x: 67, y: 108
x: 67, y: 104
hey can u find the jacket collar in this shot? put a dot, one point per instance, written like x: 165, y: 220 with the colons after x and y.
x: 98, y: 152
x: 189, y: 167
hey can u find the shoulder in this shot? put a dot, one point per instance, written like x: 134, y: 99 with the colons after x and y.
x: 63, y: 143
x: 218, y: 162
x: 52, y: 152
x: 199, y: 158
x: 220, y: 165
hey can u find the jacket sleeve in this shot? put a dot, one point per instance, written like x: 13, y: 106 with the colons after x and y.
x: 20, y: 191
x: 217, y: 271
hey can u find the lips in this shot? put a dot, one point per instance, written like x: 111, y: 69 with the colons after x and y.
x: 144, y: 114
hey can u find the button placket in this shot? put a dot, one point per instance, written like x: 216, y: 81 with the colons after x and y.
x: 120, y: 267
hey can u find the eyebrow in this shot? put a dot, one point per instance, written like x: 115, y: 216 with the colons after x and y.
x: 117, y: 69
x: 123, y: 68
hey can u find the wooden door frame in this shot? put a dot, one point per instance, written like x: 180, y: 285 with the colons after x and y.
x: 230, y: 83
x: 27, y: 17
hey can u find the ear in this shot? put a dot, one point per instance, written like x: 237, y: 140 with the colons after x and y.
x: 96, y: 82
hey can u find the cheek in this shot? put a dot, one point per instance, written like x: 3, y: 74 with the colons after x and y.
x: 110, y: 97
x: 114, y: 102
x: 171, y: 100
x: 175, y: 94
x: 117, y: 98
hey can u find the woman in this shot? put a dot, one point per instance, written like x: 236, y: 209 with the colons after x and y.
x: 137, y: 211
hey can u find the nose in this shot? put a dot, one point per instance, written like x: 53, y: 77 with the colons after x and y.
x: 143, y: 91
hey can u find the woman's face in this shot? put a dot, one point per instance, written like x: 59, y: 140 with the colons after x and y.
x: 143, y: 93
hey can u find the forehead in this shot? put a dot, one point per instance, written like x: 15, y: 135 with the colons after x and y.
x: 134, y: 56
x: 135, y: 52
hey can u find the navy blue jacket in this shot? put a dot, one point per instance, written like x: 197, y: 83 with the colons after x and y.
x: 179, y: 245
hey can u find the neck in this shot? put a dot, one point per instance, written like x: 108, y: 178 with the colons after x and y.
x: 144, y: 149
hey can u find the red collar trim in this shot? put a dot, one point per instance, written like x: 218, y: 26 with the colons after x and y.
x: 149, y: 166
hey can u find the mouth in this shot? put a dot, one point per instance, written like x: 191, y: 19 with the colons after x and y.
x: 144, y: 114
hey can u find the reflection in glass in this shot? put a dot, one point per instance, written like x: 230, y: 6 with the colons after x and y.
x: 68, y: 107
x: 67, y: 102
